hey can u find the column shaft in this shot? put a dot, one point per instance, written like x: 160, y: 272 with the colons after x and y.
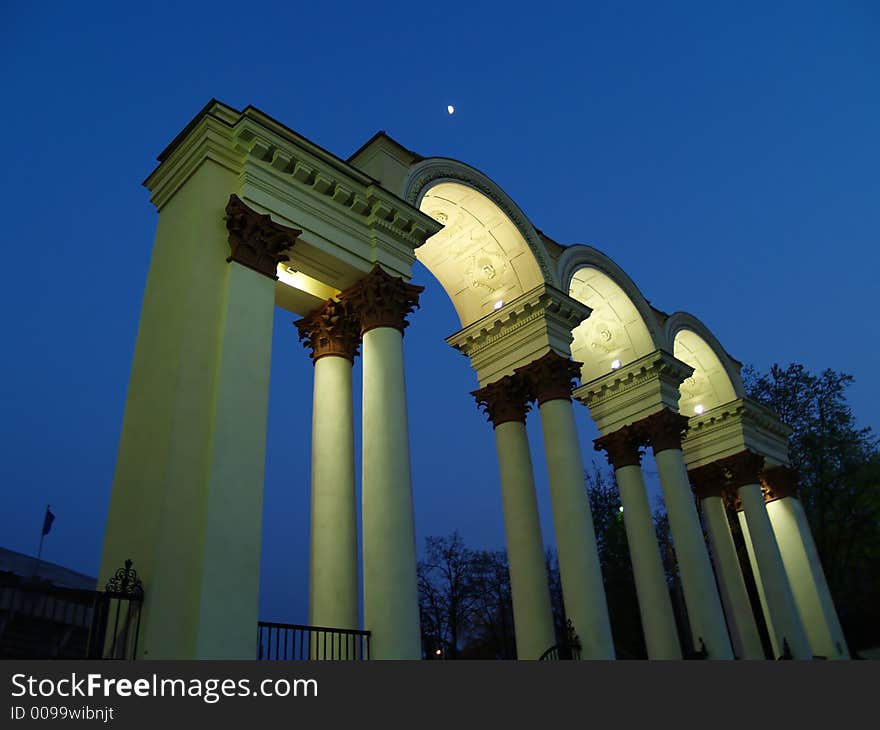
x: 698, y: 581
x: 740, y: 617
x: 533, y: 616
x: 803, y: 567
x: 333, y: 576
x: 655, y: 604
x: 582, y: 587
x: 391, y: 606
x: 786, y: 621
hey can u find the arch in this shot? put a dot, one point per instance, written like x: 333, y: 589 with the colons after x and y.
x: 622, y: 327
x: 488, y: 252
x: 716, y: 379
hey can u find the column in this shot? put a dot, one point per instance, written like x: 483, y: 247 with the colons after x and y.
x: 743, y: 470
x: 803, y: 566
x: 506, y: 403
x: 332, y: 335
x: 187, y: 495
x: 708, y: 484
x: 622, y: 448
x: 698, y: 581
x: 391, y: 602
x: 550, y: 381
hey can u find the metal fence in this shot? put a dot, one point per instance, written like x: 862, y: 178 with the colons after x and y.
x: 294, y: 642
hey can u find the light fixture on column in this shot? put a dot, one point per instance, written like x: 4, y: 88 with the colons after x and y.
x: 498, y: 304
x: 615, y: 364
x: 698, y: 409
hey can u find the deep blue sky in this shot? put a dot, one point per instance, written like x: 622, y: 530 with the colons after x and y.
x: 726, y: 155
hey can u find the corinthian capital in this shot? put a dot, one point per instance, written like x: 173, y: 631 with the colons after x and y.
x: 382, y: 300
x: 664, y: 429
x: 550, y: 377
x: 330, y: 330
x: 504, y: 400
x: 255, y: 240
x: 622, y: 447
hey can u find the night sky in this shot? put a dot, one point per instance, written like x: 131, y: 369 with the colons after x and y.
x: 725, y: 156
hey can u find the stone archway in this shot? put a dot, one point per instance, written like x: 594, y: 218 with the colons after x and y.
x: 253, y: 216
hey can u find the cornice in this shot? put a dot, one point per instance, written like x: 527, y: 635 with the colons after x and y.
x: 656, y: 366
x: 543, y: 302
x: 253, y: 141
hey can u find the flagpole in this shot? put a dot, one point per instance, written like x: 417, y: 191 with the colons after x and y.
x: 43, y: 532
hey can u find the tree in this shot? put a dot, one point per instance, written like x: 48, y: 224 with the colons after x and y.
x: 449, y: 593
x: 839, y: 468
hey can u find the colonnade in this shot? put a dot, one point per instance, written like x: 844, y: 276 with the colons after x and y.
x: 373, y: 314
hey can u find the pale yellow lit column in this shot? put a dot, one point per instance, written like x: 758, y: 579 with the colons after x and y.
x: 187, y: 495
x: 744, y: 471
x: 803, y: 566
x: 505, y: 402
x: 332, y: 335
x: 550, y: 380
x: 391, y: 602
x: 655, y: 604
x: 708, y: 482
x: 698, y: 581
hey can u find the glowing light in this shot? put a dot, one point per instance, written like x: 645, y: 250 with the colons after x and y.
x: 439, y: 651
x: 698, y: 409
x: 450, y: 109
x: 615, y: 364
x: 498, y: 304
x: 620, y: 509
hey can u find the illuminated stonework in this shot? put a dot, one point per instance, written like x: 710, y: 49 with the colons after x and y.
x: 382, y: 300
x: 330, y: 330
x: 256, y: 240
x: 504, y: 400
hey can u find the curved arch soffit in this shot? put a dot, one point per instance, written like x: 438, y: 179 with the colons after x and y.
x: 488, y: 251
x: 622, y: 327
x: 716, y: 379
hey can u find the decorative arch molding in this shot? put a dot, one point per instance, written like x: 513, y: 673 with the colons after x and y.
x: 685, y: 322
x: 623, y: 328
x: 426, y: 174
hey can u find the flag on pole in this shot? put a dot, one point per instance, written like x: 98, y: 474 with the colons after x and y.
x: 48, y: 520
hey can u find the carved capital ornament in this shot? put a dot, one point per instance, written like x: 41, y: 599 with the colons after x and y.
x: 330, y: 330
x: 382, y: 300
x: 742, y: 469
x: 255, y: 240
x: 664, y: 429
x: 708, y: 481
x: 550, y: 377
x: 779, y: 482
x: 504, y: 400
x: 622, y: 447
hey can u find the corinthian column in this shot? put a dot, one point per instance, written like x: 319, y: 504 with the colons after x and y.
x: 332, y: 335
x: 709, y: 482
x: 705, y: 614
x: 391, y: 602
x: 506, y: 403
x: 743, y: 472
x: 802, y: 564
x: 622, y: 448
x: 550, y: 380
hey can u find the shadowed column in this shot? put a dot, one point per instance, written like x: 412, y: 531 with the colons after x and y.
x: 391, y: 602
x: 709, y: 484
x: 550, y: 381
x: 743, y: 473
x: 655, y: 605
x: 698, y: 581
x: 506, y: 403
x: 332, y: 335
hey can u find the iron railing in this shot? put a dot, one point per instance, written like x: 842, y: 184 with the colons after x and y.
x: 295, y: 642
x: 39, y: 620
